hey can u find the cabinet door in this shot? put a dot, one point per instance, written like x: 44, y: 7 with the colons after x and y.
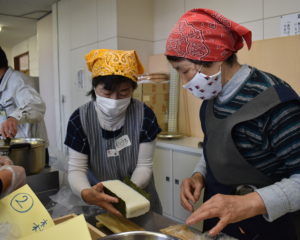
x: 183, y: 166
x: 162, y: 170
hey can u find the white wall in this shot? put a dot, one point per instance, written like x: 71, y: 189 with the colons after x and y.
x: 46, y: 77
x: 77, y: 34
x: 8, y: 55
x: 28, y: 45
x: 262, y: 17
x: 142, y: 25
x: 86, y: 25
x: 135, y: 27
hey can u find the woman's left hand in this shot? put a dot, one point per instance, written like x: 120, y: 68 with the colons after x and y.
x: 229, y: 209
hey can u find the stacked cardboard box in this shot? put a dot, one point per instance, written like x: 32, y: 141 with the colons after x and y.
x: 153, y: 88
x: 138, y: 92
x: 156, y: 96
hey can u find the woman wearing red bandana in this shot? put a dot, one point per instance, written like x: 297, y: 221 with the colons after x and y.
x: 250, y: 120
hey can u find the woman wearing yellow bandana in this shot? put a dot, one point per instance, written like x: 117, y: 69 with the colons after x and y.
x: 112, y: 136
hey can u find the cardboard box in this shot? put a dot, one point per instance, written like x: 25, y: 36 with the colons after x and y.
x: 156, y: 95
x: 159, y: 103
x: 95, y: 233
x: 155, y: 88
x: 156, y: 100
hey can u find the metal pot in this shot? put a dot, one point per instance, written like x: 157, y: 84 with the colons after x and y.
x: 139, y: 235
x: 26, y: 152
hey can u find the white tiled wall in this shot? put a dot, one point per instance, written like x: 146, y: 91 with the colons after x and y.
x: 107, y: 19
x: 109, y: 43
x: 135, y: 19
x: 84, y: 21
x: 237, y: 10
x: 262, y: 17
x: 85, y: 25
x: 144, y: 25
x: 166, y: 13
x: 271, y: 27
x: 274, y: 8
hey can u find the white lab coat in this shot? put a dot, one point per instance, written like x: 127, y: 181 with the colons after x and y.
x: 24, y: 103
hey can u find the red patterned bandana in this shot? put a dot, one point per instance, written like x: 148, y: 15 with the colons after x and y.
x: 205, y: 35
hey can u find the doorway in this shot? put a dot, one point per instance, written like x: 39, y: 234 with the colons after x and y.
x: 21, y: 63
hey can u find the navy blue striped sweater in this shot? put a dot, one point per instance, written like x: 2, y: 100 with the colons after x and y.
x: 270, y: 142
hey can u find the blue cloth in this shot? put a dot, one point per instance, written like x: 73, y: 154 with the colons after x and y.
x: 275, y: 135
x: 77, y: 140
x: 254, y: 228
x: 257, y: 227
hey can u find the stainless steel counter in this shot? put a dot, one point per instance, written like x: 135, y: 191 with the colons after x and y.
x: 45, y: 185
x: 152, y: 221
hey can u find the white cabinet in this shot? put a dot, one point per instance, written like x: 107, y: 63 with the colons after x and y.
x: 173, y: 163
x: 162, y: 170
x: 183, y: 166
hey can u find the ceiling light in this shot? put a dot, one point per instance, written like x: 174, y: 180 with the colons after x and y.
x: 0, y: 28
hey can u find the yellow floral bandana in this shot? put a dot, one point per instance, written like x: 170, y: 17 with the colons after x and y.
x: 103, y: 62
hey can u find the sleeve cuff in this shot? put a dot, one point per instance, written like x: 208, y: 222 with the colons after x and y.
x: 281, y: 197
x: 275, y: 201
x: 17, y: 115
x: 201, y: 166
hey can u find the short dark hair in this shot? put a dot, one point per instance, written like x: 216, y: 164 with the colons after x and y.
x: 230, y: 60
x: 110, y: 82
x: 3, y: 59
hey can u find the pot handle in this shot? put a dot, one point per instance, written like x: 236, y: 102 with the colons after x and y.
x: 19, y: 145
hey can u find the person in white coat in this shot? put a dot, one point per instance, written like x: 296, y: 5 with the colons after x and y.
x: 21, y: 107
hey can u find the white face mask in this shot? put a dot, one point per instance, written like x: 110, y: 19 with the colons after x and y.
x: 112, y: 107
x: 203, y: 86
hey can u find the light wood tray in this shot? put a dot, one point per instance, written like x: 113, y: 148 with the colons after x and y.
x: 182, y: 232
x: 116, y: 224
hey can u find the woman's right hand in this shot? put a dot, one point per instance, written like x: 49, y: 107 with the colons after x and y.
x: 190, y: 191
x: 96, y: 196
x: 5, y: 160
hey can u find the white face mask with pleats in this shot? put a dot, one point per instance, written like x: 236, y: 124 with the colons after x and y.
x: 203, y: 86
x: 111, y: 112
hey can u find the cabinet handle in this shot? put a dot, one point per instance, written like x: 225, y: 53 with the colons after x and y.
x: 176, y: 181
x: 167, y: 179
